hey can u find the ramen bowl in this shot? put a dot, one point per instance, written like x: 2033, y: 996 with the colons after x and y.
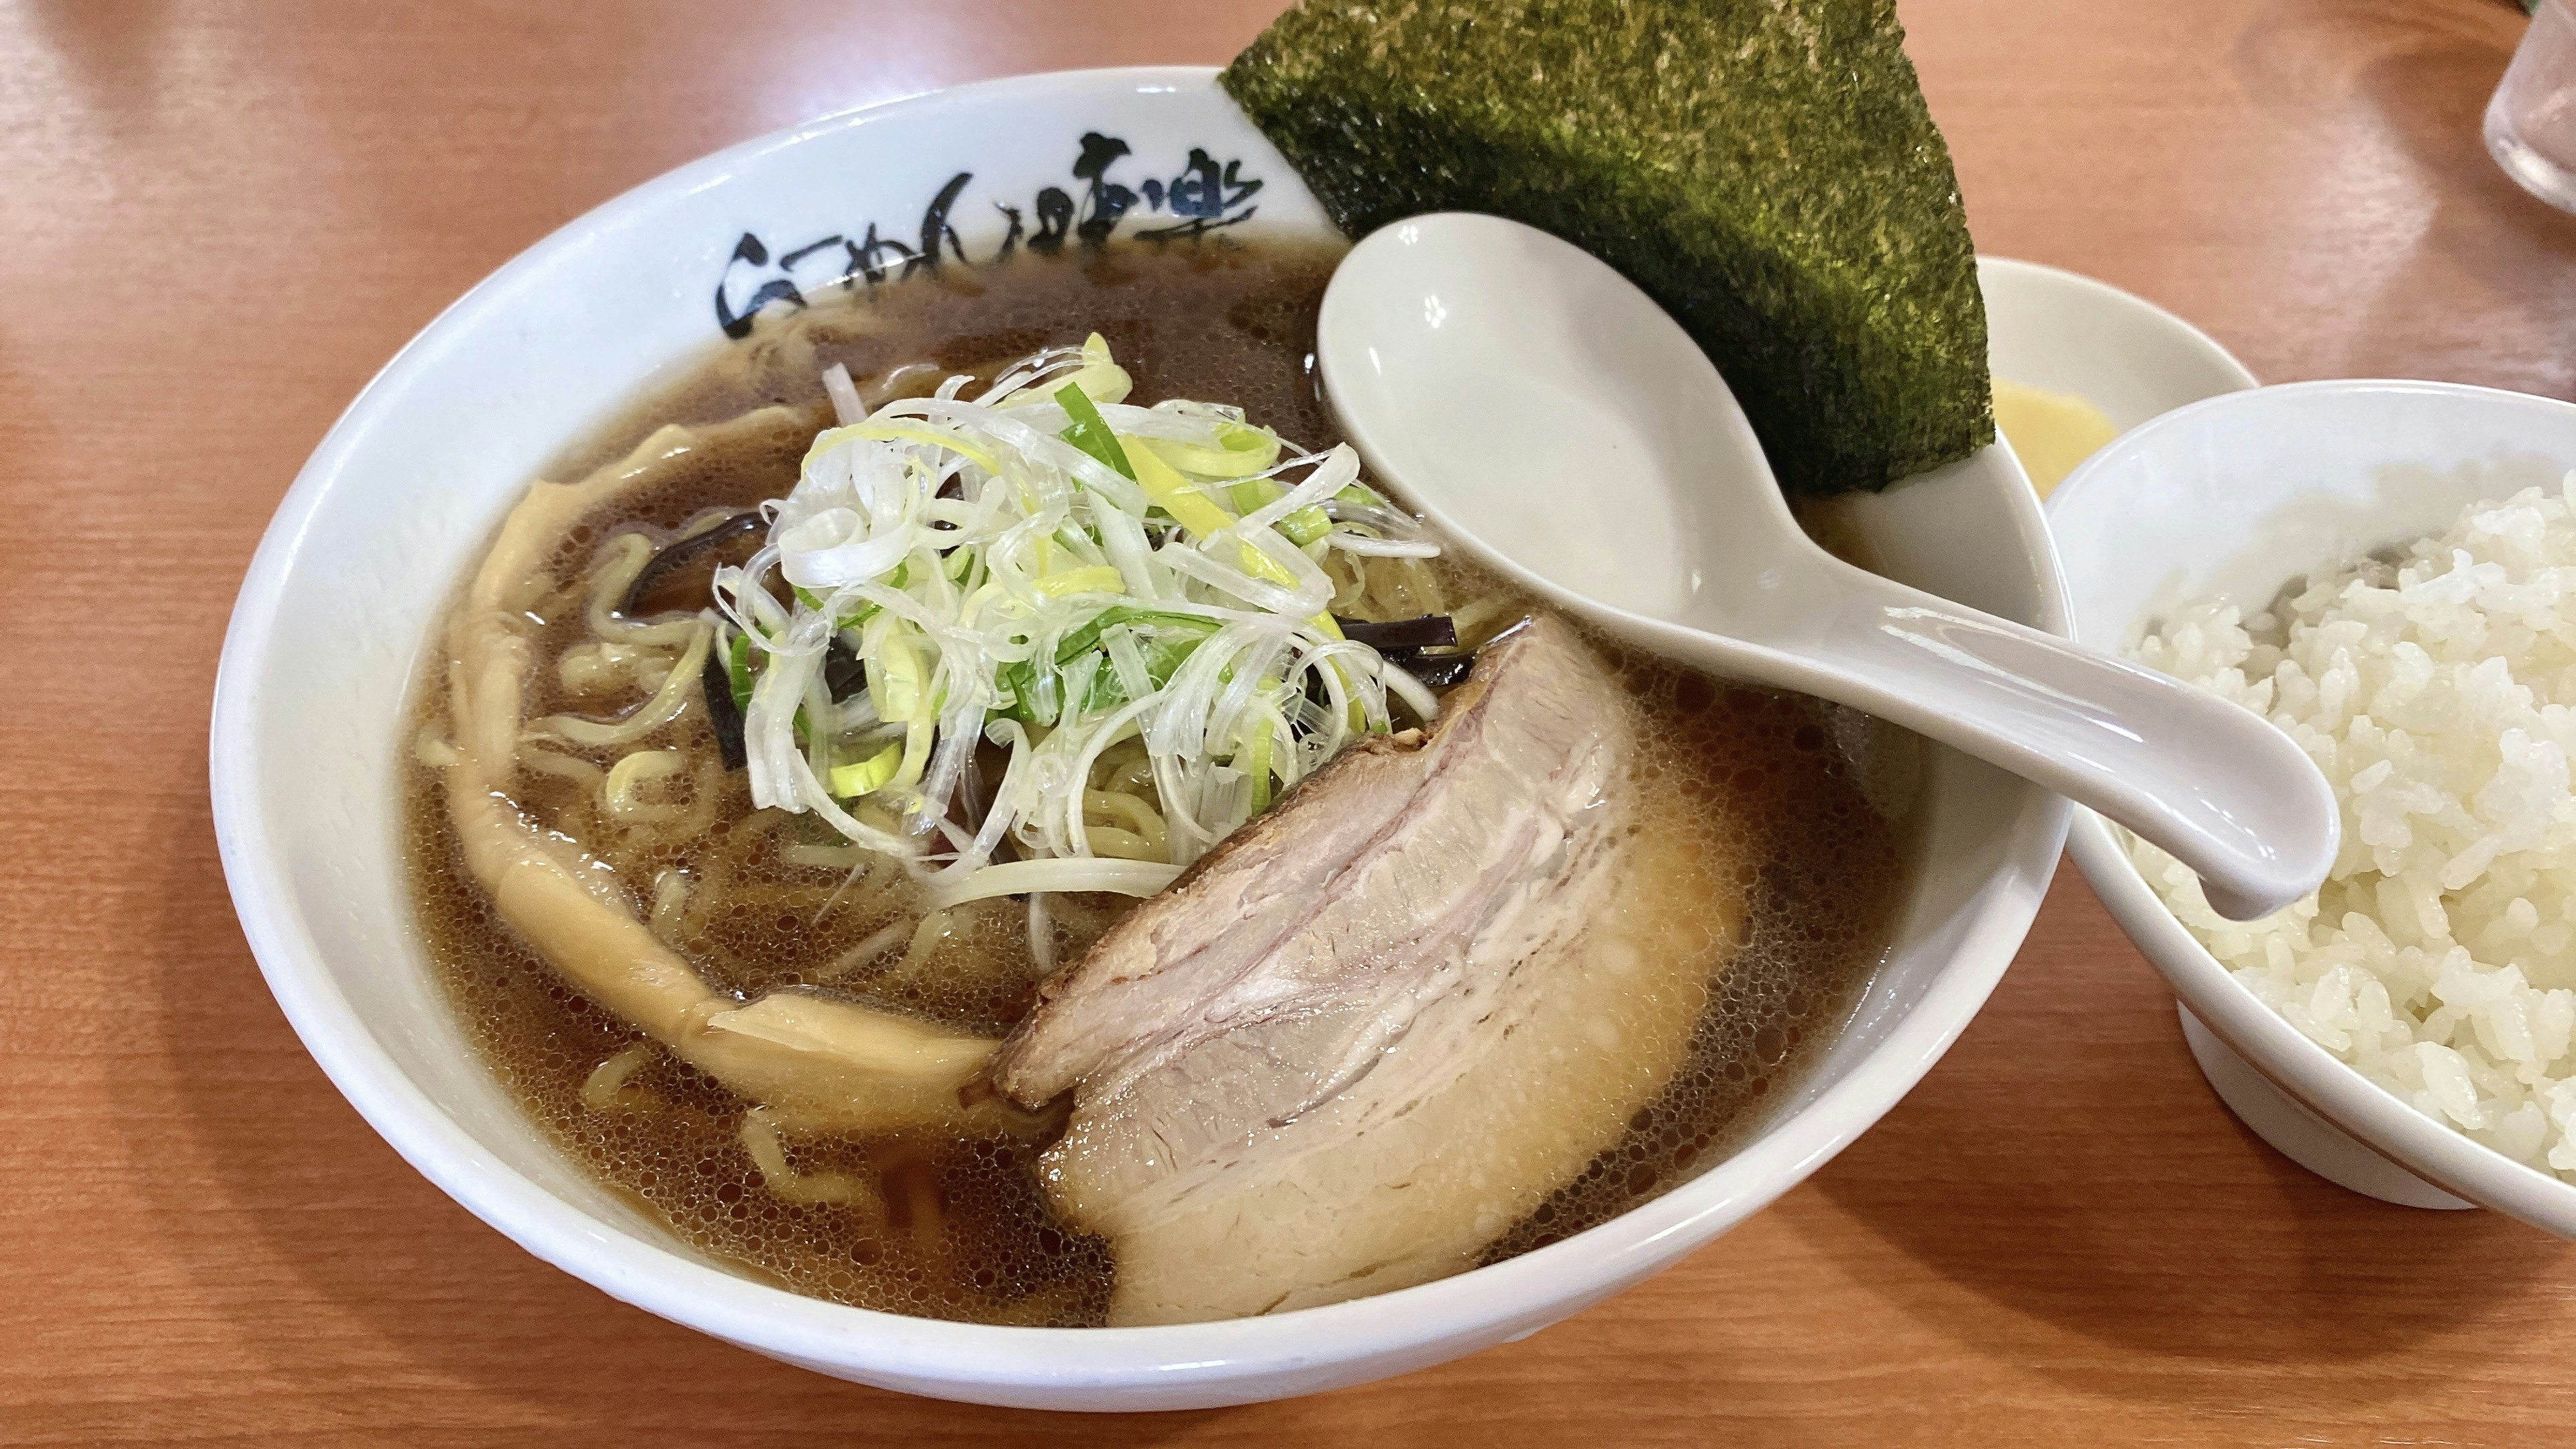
x: 406, y: 489
x: 2237, y: 496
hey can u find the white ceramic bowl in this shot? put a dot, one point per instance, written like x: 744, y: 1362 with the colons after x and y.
x: 2236, y: 496
x: 2068, y: 333
x: 404, y: 491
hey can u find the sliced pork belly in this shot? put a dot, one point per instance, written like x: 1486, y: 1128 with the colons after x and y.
x: 1381, y: 1024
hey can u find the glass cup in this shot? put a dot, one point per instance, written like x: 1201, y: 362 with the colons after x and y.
x: 2531, y: 122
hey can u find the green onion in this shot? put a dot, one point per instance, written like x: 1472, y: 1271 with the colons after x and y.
x: 1255, y: 759
x: 1087, y: 637
x: 1163, y: 657
x: 1090, y: 432
x: 1302, y: 527
x: 901, y: 576
x: 738, y: 670
x: 1241, y: 450
x: 869, y: 775
x: 1088, y: 648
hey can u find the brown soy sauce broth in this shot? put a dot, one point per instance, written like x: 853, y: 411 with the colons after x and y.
x: 1781, y: 786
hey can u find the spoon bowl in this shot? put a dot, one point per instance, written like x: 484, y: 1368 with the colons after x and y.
x: 1544, y: 412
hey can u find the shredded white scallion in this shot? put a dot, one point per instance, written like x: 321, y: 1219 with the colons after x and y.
x: 1055, y: 571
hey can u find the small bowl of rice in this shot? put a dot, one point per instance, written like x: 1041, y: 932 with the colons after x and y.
x: 2387, y: 572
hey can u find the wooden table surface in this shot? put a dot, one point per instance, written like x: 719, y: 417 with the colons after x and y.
x: 216, y: 220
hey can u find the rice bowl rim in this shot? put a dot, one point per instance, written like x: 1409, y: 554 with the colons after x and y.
x: 2312, y: 1076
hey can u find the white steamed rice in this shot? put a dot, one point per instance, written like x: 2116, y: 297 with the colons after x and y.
x: 2438, y: 693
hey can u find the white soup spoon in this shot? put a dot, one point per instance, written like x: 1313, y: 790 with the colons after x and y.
x: 1546, y: 414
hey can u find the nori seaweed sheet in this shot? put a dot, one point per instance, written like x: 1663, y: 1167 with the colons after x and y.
x: 1766, y: 169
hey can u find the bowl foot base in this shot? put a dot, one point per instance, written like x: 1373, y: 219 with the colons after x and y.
x: 2299, y: 1134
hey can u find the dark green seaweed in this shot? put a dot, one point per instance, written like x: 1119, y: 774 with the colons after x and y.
x: 1766, y: 169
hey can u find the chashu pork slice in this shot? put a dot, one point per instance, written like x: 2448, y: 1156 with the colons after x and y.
x: 1382, y: 1023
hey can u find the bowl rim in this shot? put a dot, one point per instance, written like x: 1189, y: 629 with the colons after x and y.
x: 1402, y: 1328
x: 2209, y: 349
x: 2313, y: 1077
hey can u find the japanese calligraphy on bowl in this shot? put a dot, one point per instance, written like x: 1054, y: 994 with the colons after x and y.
x: 1186, y: 204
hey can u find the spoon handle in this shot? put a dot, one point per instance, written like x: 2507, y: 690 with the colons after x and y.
x: 2207, y: 781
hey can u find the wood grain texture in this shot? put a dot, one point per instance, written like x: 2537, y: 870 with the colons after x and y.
x: 216, y: 221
